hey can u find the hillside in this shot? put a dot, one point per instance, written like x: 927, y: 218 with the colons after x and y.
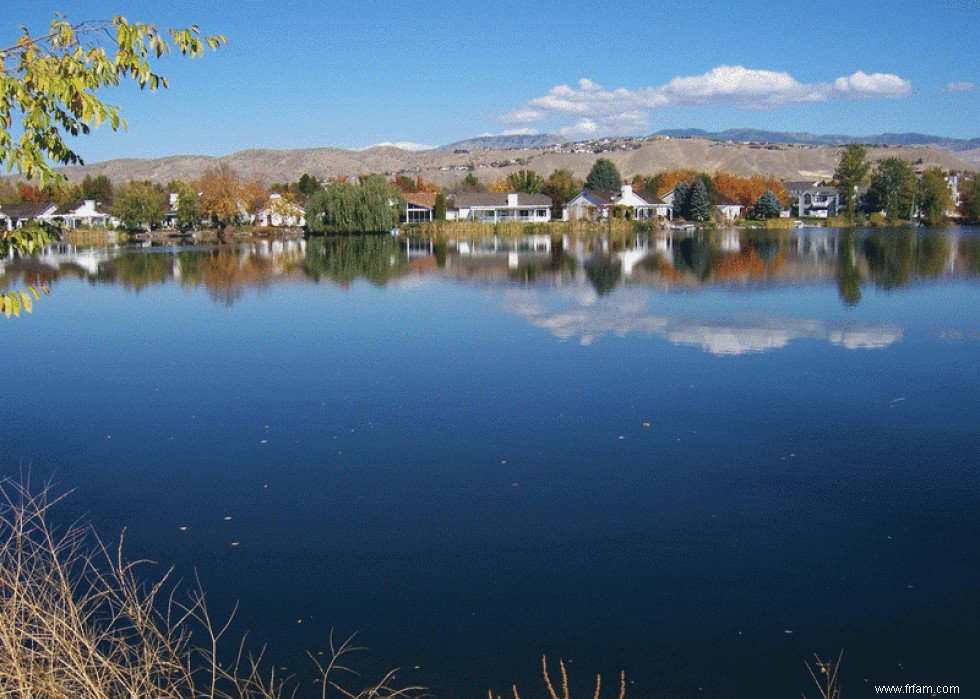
x: 632, y: 156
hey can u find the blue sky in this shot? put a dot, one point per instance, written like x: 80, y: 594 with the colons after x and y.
x: 299, y: 74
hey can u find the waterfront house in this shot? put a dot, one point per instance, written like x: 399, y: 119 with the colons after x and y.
x: 728, y: 210
x: 89, y: 214
x: 596, y: 205
x: 419, y: 207
x: 491, y: 207
x: 811, y: 200
x: 280, y: 212
x: 14, y: 216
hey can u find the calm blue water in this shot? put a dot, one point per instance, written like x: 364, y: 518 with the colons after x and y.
x: 700, y: 462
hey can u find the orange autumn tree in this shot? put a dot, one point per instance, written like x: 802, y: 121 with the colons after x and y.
x: 501, y: 185
x: 670, y: 179
x: 226, y: 198
x: 747, y: 190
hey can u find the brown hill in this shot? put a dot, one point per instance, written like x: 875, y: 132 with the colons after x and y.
x: 632, y: 156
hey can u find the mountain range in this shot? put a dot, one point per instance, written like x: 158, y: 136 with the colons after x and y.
x: 740, y: 151
x: 742, y: 135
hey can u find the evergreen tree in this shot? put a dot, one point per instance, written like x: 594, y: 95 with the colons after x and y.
x: 307, y: 186
x: 700, y: 202
x: 604, y: 176
x: 768, y: 205
x: 851, y: 170
x: 682, y: 200
x: 439, y: 210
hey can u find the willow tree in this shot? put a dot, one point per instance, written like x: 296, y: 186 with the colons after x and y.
x: 371, y: 206
x: 50, y: 84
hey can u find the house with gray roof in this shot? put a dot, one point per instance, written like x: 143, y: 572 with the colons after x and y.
x: 812, y: 200
x: 491, y: 207
x: 14, y: 216
x: 596, y: 205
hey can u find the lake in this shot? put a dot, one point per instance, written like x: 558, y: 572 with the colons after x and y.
x: 700, y: 458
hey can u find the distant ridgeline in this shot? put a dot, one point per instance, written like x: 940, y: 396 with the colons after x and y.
x: 750, y: 135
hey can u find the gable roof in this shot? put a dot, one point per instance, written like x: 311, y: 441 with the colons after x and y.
x: 426, y: 200
x: 613, y: 197
x: 498, y: 200
x: 26, y: 210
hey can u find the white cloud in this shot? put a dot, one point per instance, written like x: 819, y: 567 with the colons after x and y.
x: 591, y: 109
x: 876, y: 85
x: 519, y: 132
x: 961, y: 87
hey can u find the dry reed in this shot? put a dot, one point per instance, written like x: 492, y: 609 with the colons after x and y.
x: 79, y: 621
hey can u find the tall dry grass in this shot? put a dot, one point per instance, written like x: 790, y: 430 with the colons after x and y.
x: 80, y: 621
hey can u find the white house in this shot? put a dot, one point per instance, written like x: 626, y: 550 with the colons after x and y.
x: 14, y: 216
x: 809, y: 199
x: 597, y: 205
x: 88, y: 213
x: 281, y: 212
x: 729, y: 210
x: 490, y: 207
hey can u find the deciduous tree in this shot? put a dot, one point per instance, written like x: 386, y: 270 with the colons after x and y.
x: 140, y: 205
x: 220, y: 189
x: 371, y: 206
x: 935, y: 197
x: 527, y: 181
x: 893, y: 189
x: 97, y: 188
x: 970, y: 204
x: 188, y: 203
x: 49, y: 84
x: 561, y: 186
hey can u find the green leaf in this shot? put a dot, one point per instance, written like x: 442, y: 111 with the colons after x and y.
x: 14, y: 303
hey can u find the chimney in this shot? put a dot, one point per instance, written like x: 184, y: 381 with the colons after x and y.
x: 627, y: 191
x: 512, y: 199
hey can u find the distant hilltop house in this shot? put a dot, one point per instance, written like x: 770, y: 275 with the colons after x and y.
x: 811, y: 200
x: 419, y: 207
x: 490, y: 207
x: 596, y: 205
x: 280, y: 212
x: 89, y: 213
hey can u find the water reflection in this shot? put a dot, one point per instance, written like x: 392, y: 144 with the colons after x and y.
x: 889, y: 259
x: 586, y: 317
